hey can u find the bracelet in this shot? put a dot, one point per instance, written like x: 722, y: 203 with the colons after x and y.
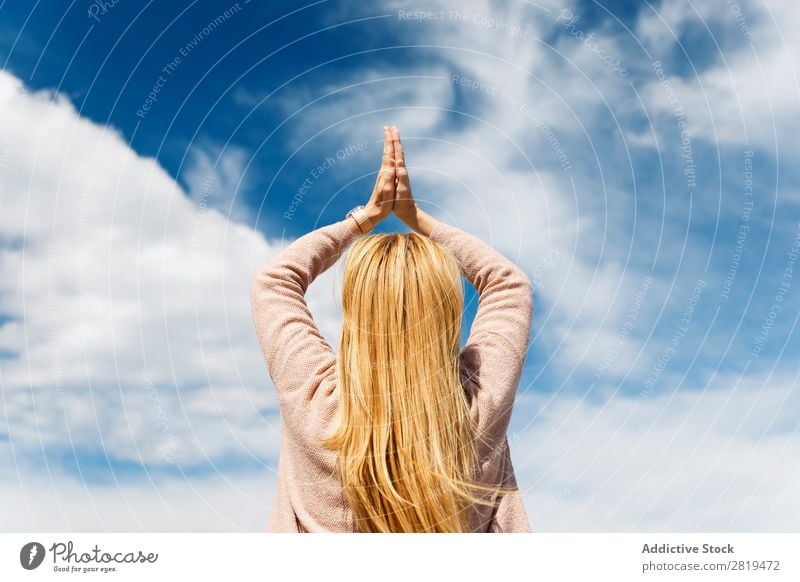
x: 362, y: 220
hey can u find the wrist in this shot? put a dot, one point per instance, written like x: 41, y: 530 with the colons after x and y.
x: 409, y: 216
x: 374, y: 213
x: 419, y: 220
x: 363, y: 218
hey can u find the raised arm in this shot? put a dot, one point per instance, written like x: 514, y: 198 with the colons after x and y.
x: 493, y: 358
x: 495, y: 352
x: 505, y: 299
x: 297, y: 356
x: 494, y: 355
x: 505, y: 306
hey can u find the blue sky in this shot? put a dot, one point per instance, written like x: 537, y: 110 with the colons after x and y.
x: 635, y: 159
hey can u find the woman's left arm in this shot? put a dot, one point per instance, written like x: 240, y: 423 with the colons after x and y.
x: 296, y: 354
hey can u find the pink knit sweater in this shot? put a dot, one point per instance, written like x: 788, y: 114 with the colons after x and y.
x: 302, y: 366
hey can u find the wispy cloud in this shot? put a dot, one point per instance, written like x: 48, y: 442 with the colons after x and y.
x: 217, y: 177
x: 748, y: 93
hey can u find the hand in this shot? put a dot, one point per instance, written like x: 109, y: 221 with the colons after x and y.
x: 382, y: 199
x: 404, y: 206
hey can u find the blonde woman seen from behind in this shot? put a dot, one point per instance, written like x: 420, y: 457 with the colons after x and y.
x: 401, y: 430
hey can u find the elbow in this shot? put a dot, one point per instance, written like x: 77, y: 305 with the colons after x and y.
x: 269, y: 273
x: 258, y: 281
x: 516, y: 285
x: 275, y: 280
x: 523, y: 276
x: 263, y: 282
x: 525, y: 286
x: 526, y: 310
x: 521, y: 279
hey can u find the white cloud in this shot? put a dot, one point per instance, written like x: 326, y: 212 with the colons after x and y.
x: 128, y: 304
x: 719, y: 459
x: 55, y: 501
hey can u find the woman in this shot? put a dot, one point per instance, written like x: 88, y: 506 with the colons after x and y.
x: 400, y: 431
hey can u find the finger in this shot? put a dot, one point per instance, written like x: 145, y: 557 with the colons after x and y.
x: 388, y: 152
x: 388, y: 145
x: 403, y: 183
x: 387, y: 172
x: 386, y: 175
x: 399, y: 154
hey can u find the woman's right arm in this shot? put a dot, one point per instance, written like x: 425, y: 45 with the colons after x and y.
x: 499, y: 336
x: 505, y: 304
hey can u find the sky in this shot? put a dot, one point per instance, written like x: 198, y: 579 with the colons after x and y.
x: 636, y: 159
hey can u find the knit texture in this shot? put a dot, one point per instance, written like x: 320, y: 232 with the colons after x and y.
x: 302, y: 366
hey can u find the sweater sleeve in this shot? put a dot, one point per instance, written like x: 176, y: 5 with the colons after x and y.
x: 298, y: 358
x: 494, y: 355
x: 509, y: 516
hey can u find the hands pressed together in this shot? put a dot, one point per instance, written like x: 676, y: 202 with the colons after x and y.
x: 392, y: 192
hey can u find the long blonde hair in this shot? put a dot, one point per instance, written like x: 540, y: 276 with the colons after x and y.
x: 406, y: 452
